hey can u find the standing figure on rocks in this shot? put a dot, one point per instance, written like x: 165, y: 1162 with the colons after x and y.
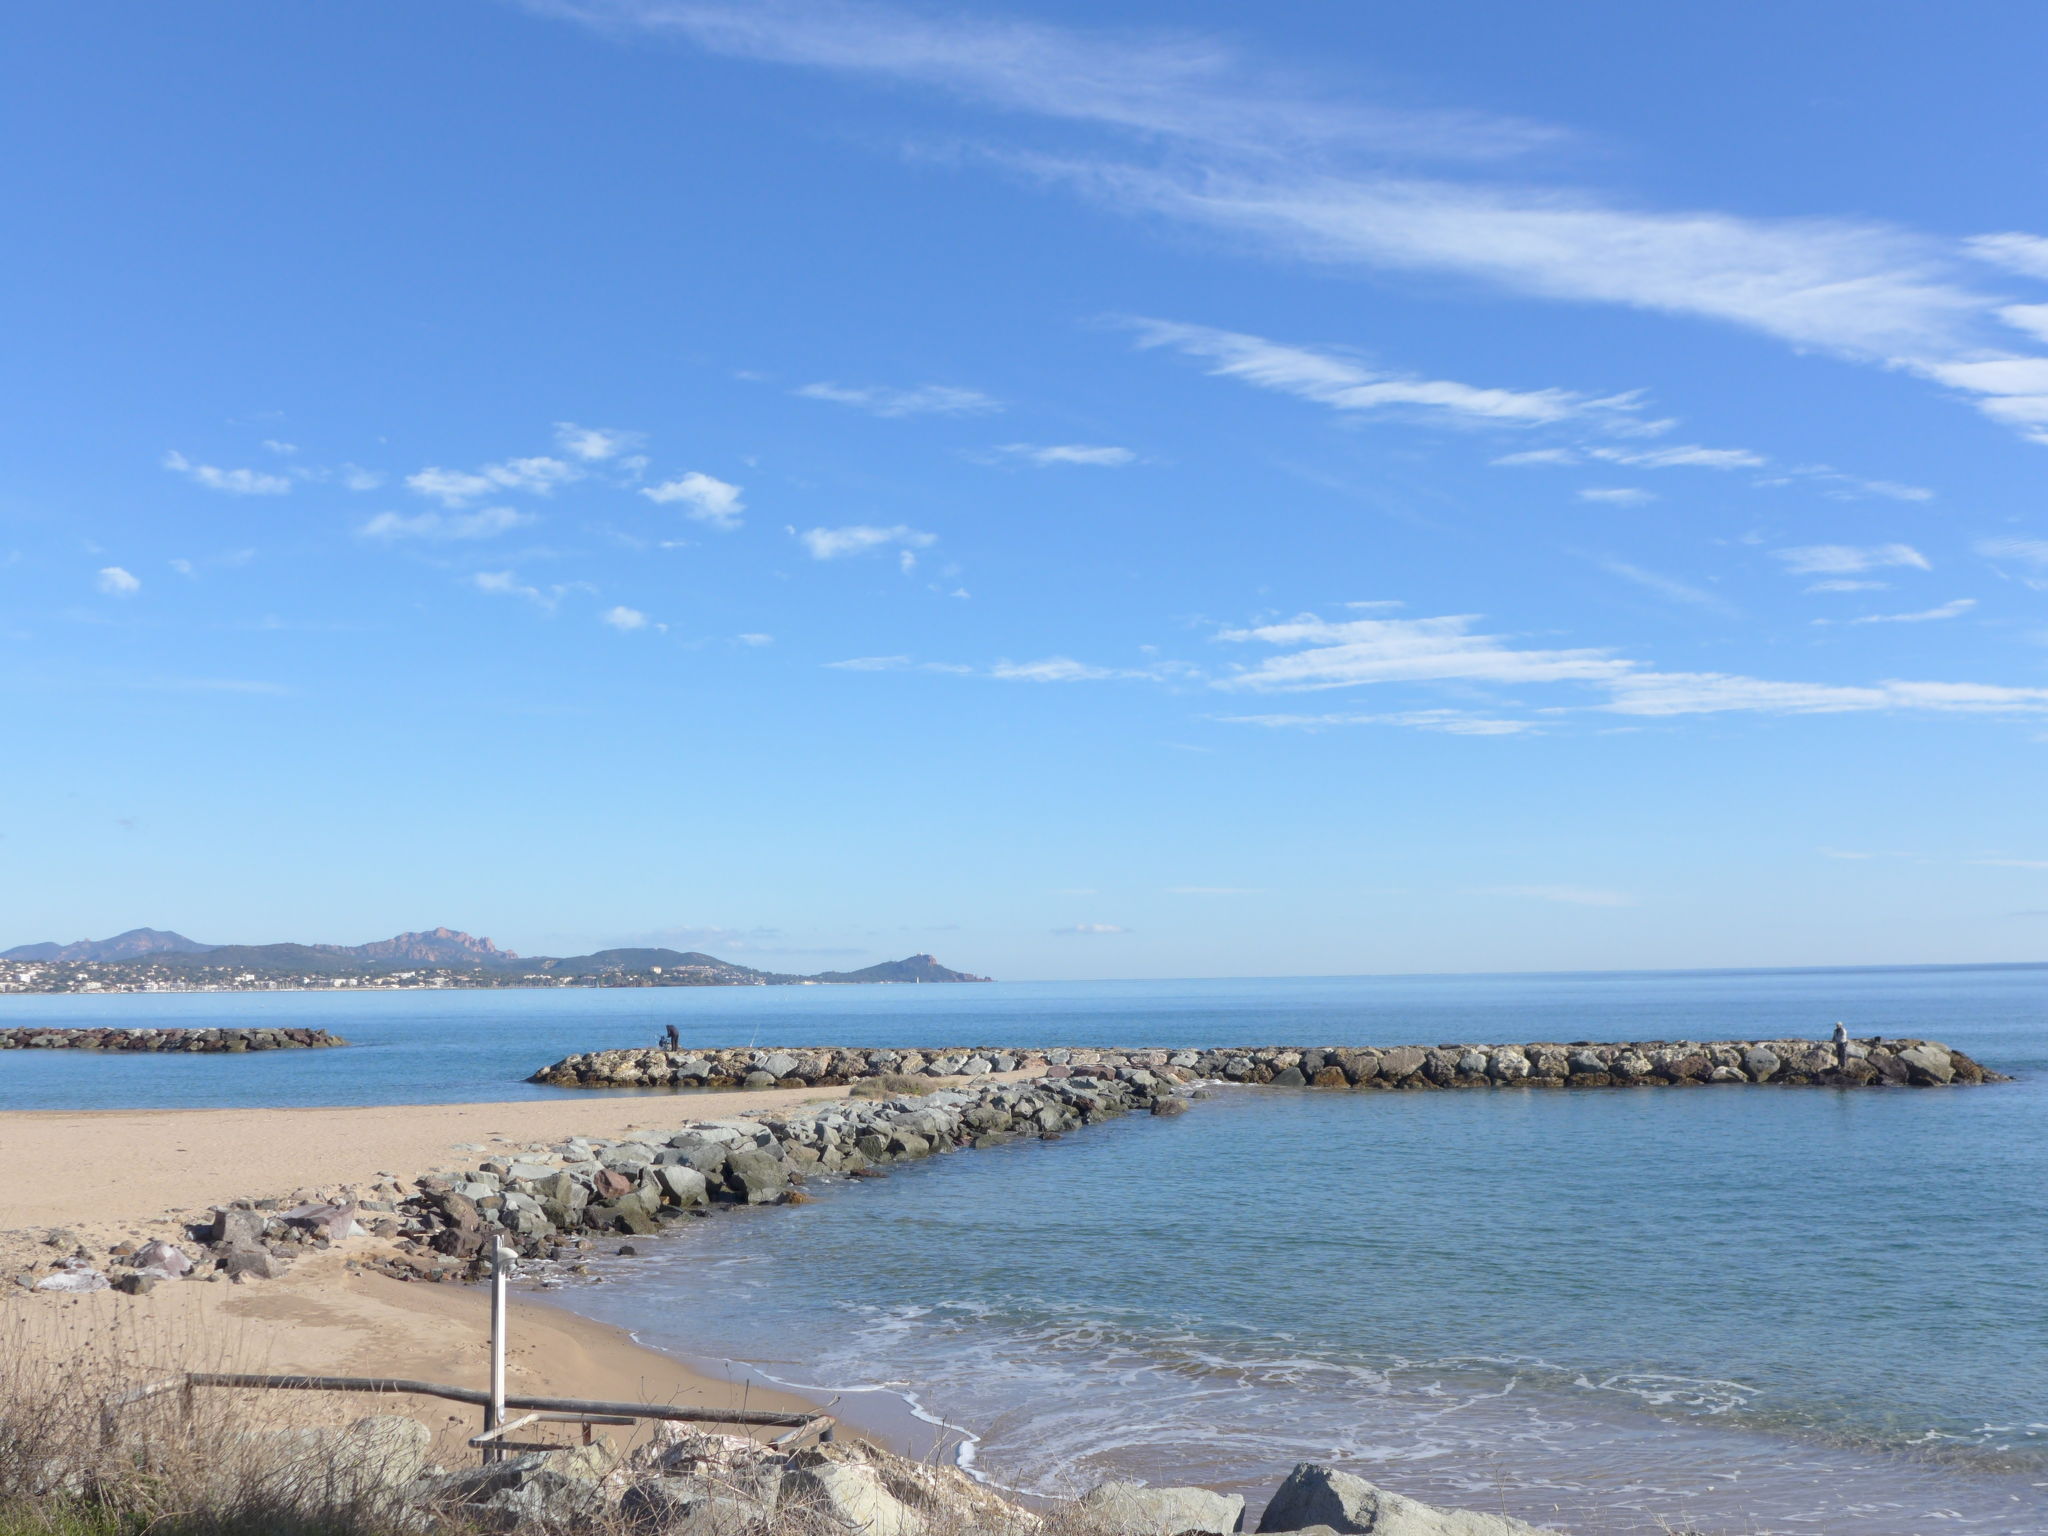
x: 1841, y: 1045
x: 675, y: 1038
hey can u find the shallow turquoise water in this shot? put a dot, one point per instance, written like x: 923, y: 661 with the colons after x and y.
x: 1753, y: 1309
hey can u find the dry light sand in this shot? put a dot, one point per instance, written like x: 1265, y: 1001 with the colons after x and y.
x: 113, y: 1175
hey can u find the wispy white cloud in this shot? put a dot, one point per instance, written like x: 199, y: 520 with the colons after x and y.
x: 858, y: 538
x: 623, y: 618
x: 1344, y: 653
x: 924, y: 400
x: 707, y: 500
x: 1840, y: 584
x: 2032, y: 552
x: 116, y: 582
x: 237, y: 482
x: 871, y: 664
x: 1838, y: 485
x: 754, y: 638
x: 594, y: 444
x: 506, y: 584
x: 1568, y: 895
x: 354, y: 477
x: 2022, y: 253
x: 1099, y: 456
x: 1668, y: 586
x: 1175, y: 85
x: 1347, y: 384
x: 485, y: 523
x: 1054, y: 669
x: 1089, y: 930
x: 1618, y: 495
x: 1695, y: 693
x: 1206, y: 136
x: 1950, y: 610
x: 1677, y: 456
x: 2031, y: 318
x: 1317, y: 654
x: 539, y: 475
x: 1451, y: 722
x: 1847, y: 559
x: 1864, y: 290
x: 210, y: 685
x: 1212, y: 890
x: 283, y: 449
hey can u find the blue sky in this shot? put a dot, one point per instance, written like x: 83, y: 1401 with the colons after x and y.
x: 1086, y: 491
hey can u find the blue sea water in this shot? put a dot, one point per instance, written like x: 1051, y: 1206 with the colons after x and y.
x: 1747, y: 1310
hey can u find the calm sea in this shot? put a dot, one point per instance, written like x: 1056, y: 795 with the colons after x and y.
x: 1747, y: 1310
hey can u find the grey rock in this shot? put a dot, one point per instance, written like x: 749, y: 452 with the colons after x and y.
x: 1131, y: 1509
x: 233, y: 1228
x: 690, y: 1506
x: 165, y: 1261
x: 244, y: 1263
x: 684, y: 1184
x: 1402, y: 1061
x: 1760, y: 1062
x: 849, y: 1494
x: 756, y: 1177
x: 1929, y: 1059
x: 1318, y: 1496
x: 76, y: 1280
x: 1509, y: 1065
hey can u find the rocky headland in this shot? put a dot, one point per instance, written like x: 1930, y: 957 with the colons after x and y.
x: 1543, y: 1064
x: 167, y: 1040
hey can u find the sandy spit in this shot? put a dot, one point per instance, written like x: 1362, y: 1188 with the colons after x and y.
x: 107, y: 1176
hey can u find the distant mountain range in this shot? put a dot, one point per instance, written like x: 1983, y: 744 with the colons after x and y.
x: 451, y: 949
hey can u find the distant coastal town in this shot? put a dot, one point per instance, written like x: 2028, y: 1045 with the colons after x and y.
x: 444, y: 959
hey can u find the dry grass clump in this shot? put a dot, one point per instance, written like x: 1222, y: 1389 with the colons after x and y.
x: 200, y: 1463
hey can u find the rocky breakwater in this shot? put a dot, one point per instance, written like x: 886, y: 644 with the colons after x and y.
x: 168, y: 1040
x: 539, y: 1198
x: 1873, y: 1062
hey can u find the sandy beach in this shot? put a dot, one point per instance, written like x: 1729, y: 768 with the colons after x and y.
x: 129, y: 1175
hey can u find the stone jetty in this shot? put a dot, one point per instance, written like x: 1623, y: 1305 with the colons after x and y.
x: 1871, y: 1062
x: 202, y: 1040
x: 637, y: 1183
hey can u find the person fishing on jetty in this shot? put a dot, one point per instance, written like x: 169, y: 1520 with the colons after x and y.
x: 1841, y: 1044
x: 673, y: 1038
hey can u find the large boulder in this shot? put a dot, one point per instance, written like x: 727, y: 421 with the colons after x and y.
x: 1131, y: 1509
x: 1929, y: 1063
x: 849, y: 1494
x: 756, y: 1177
x: 944, y: 1499
x: 1322, y: 1496
x: 684, y: 1184
x: 693, y: 1506
x: 541, y: 1491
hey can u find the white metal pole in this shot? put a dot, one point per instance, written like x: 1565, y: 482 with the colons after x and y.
x: 494, y: 1415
